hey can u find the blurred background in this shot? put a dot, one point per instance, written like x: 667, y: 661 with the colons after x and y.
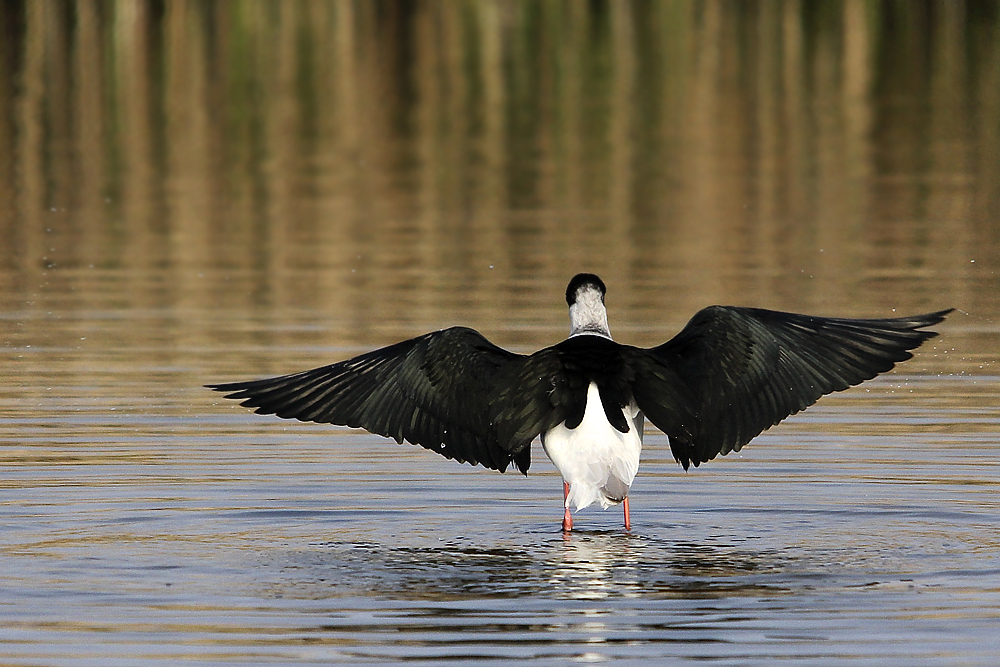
x: 180, y: 176
x: 209, y: 191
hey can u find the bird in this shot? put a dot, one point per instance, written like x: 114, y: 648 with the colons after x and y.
x: 728, y: 375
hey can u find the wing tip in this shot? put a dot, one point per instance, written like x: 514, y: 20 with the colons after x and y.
x: 227, y: 386
x: 926, y: 319
x: 938, y: 316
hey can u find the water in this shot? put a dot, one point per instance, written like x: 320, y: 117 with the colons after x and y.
x: 144, y: 520
x: 194, y: 193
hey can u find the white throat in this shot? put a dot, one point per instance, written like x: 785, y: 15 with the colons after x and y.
x: 588, y: 314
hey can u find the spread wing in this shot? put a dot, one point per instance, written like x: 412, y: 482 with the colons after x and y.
x: 433, y: 390
x: 733, y: 372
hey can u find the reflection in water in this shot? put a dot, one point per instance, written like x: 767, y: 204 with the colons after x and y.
x: 616, y: 564
x: 366, y: 159
x: 585, y: 565
x: 596, y: 566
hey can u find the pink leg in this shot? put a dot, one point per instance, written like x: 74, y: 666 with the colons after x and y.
x: 628, y: 519
x: 567, y: 517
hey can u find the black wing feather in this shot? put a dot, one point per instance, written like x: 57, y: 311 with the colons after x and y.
x: 733, y: 372
x: 434, y: 390
x: 550, y: 387
x: 727, y: 376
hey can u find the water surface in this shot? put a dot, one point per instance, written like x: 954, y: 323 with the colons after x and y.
x: 204, y: 192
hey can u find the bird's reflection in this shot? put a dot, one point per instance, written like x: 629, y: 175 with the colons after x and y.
x: 585, y: 565
x: 592, y: 566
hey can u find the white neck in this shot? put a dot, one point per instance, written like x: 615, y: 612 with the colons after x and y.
x: 588, y: 315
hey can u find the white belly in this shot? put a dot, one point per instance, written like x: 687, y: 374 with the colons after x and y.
x: 597, y: 460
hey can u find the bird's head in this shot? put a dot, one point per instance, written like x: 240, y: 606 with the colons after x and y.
x: 587, y: 314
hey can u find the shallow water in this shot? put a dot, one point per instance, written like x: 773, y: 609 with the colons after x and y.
x: 146, y: 520
x: 208, y: 192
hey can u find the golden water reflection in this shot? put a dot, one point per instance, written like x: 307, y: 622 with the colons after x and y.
x: 380, y: 160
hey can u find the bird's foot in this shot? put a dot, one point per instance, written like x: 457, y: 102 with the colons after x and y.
x: 567, y: 517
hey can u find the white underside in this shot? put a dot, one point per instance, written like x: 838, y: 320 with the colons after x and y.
x: 597, y: 460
